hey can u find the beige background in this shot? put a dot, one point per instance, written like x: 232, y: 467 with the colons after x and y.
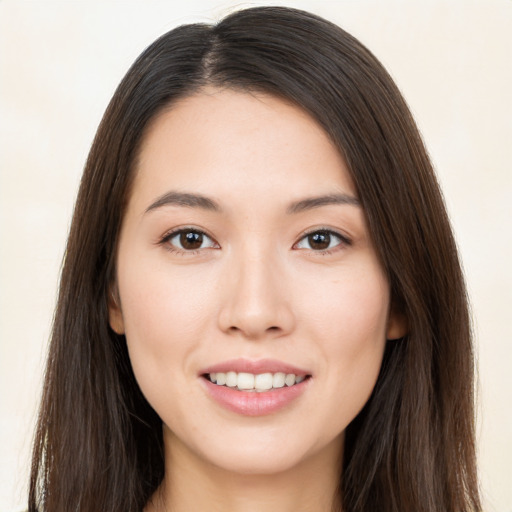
x: 59, y: 64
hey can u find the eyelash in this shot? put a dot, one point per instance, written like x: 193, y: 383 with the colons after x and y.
x: 344, y: 241
x: 165, y: 241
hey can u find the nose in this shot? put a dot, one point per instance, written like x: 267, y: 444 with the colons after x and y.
x: 256, y: 303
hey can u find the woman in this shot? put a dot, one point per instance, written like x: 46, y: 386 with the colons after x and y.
x: 261, y: 302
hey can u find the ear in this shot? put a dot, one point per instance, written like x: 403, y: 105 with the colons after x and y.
x: 397, y: 325
x: 115, y: 315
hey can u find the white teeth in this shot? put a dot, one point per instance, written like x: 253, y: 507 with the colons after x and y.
x: 263, y: 382
x: 231, y: 379
x: 278, y: 380
x: 289, y: 379
x: 249, y: 382
x: 245, y: 381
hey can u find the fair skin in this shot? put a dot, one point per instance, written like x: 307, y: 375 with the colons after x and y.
x: 251, y: 271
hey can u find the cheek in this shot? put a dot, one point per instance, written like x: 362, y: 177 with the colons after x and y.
x: 165, y: 316
x: 351, y: 311
x: 349, y: 324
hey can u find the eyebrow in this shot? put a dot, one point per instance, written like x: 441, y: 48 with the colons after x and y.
x: 316, y: 202
x: 189, y: 200
x: 185, y: 199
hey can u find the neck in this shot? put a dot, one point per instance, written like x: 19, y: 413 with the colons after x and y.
x: 191, y: 483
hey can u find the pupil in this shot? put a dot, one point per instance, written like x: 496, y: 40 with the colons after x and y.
x: 191, y: 240
x: 320, y: 240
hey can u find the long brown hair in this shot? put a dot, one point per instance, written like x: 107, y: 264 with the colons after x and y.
x: 98, y: 443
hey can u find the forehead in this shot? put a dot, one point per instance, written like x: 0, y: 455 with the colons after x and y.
x: 219, y: 142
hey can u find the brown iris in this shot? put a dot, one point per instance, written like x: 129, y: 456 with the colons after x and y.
x: 191, y: 240
x: 320, y: 240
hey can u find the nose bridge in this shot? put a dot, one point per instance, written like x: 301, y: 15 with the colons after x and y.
x: 256, y: 303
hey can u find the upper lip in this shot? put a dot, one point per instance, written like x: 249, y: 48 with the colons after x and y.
x: 254, y: 366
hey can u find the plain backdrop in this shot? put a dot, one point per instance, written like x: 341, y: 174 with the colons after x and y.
x: 60, y: 62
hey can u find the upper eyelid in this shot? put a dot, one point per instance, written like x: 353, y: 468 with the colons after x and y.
x: 344, y: 243
x: 345, y: 238
x: 175, y: 231
x: 170, y: 234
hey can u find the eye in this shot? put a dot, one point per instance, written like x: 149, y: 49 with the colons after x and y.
x: 186, y: 240
x: 321, y: 240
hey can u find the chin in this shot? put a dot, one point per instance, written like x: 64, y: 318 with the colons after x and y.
x: 271, y: 455
x: 259, y: 462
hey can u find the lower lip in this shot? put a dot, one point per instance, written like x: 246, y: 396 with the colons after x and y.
x: 254, y: 403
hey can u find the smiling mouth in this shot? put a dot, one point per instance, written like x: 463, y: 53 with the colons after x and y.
x: 259, y: 383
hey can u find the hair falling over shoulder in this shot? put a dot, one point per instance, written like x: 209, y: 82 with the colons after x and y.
x: 98, y: 444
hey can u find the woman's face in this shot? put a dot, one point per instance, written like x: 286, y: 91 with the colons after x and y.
x: 244, y: 257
